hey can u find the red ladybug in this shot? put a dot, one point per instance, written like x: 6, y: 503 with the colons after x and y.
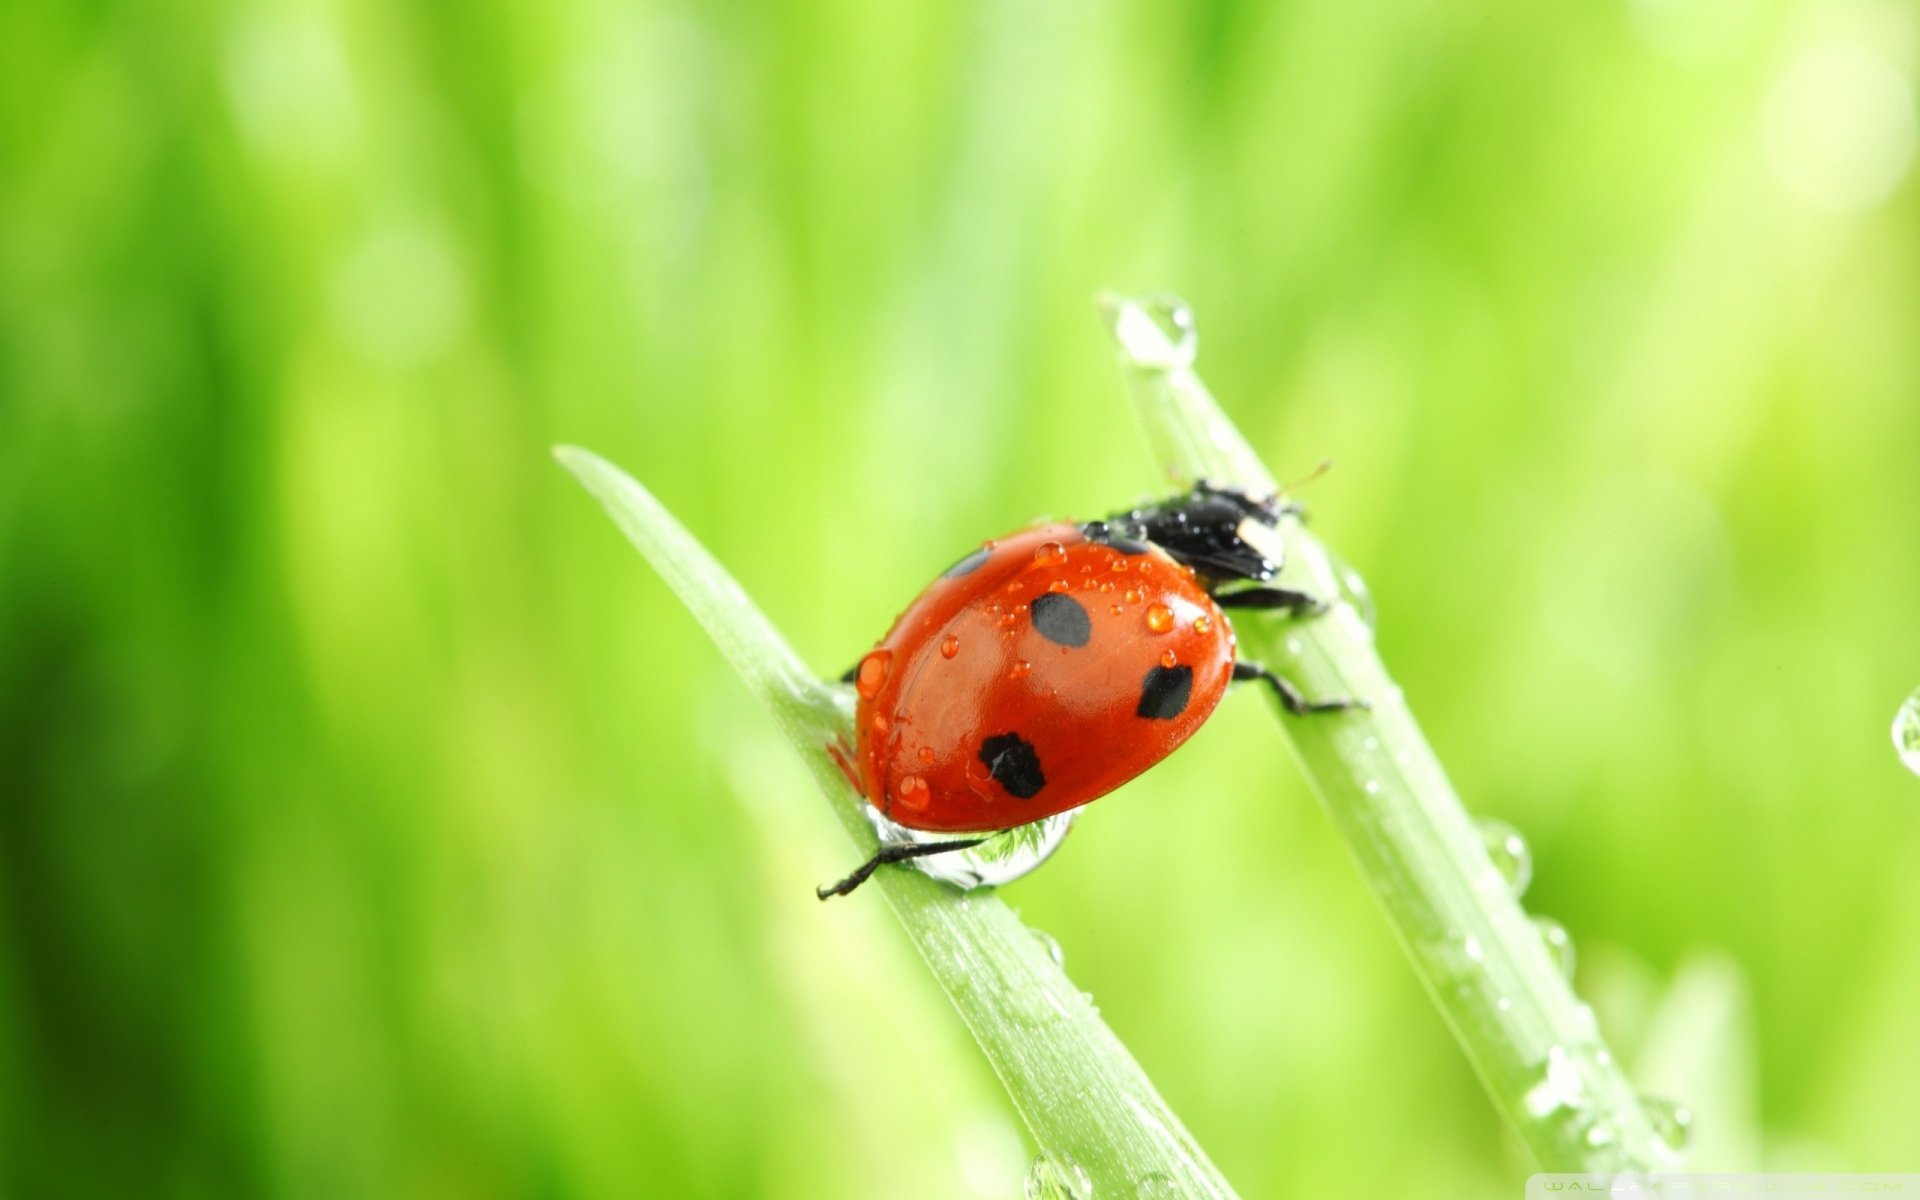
x: 1049, y: 667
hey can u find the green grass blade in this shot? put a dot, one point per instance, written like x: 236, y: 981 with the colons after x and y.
x: 1081, y: 1094
x: 1532, y: 1041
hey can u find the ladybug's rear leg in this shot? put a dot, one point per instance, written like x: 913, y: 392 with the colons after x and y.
x: 1289, y: 695
x: 892, y: 853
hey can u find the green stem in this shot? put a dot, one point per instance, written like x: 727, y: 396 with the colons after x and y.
x: 1482, y: 959
x: 1086, y: 1101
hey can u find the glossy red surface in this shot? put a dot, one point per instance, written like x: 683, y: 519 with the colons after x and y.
x: 966, y: 663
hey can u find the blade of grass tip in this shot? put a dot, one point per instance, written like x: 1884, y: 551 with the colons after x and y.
x: 1101, y: 1127
x: 1535, y: 1046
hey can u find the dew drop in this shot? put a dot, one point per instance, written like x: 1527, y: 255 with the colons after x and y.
x: 1509, y: 853
x: 1051, y: 945
x: 1559, y: 945
x: 1020, y: 669
x: 1050, y: 554
x: 1153, y: 331
x: 1117, y: 609
x: 1002, y: 858
x: 949, y: 646
x: 1157, y: 1186
x: 1672, y: 1121
x: 1133, y: 595
x: 1054, y: 1176
x: 1202, y: 623
x: 1354, y: 591
x: 1559, y: 1085
x: 1906, y: 732
x: 1106, y: 587
x: 872, y: 675
x: 926, y: 754
x: 1600, y: 1134
x: 1059, y: 585
x: 1159, y: 618
x: 1169, y: 659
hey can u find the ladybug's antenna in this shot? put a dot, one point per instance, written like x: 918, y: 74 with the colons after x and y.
x: 1326, y: 464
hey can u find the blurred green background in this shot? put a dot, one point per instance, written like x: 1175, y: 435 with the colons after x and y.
x: 375, y: 824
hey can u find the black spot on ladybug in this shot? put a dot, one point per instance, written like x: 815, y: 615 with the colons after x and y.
x: 1165, y: 693
x: 1060, y: 618
x: 1012, y: 761
x: 967, y: 565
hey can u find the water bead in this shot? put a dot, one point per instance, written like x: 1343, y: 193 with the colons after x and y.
x: 1509, y: 853
x: 1558, y: 942
x: 1906, y: 733
x: 872, y: 674
x: 1054, y: 1176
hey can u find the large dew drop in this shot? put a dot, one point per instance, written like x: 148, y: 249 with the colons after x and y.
x: 1906, y: 732
x: 1154, y: 331
x: 1055, y: 1177
x: 1002, y: 858
x: 1509, y: 853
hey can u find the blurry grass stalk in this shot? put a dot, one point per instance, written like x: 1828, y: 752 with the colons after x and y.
x: 1534, y: 1044
x: 1093, y: 1113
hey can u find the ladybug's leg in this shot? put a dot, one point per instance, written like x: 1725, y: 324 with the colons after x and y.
x: 1297, y: 603
x: 1289, y: 695
x: 892, y: 853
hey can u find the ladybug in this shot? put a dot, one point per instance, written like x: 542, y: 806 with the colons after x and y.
x: 1050, y: 666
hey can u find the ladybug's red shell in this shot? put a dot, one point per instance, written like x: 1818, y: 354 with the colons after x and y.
x: 1038, y: 673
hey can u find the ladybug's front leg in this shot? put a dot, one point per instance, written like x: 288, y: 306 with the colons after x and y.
x: 1300, y: 604
x: 892, y: 853
x: 1289, y: 695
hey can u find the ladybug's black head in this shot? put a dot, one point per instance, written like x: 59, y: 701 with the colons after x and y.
x: 1202, y: 529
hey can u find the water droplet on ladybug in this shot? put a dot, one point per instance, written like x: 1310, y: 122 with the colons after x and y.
x: 879, y: 723
x: 1117, y: 566
x: 1059, y: 585
x: 872, y: 674
x: 1202, y: 623
x: 1050, y: 554
x: 1106, y: 587
x: 949, y: 646
x: 1133, y: 595
x: 1169, y: 659
x: 1117, y: 609
x: 926, y: 754
x: 1019, y: 670
x: 913, y: 792
x: 1159, y: 618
